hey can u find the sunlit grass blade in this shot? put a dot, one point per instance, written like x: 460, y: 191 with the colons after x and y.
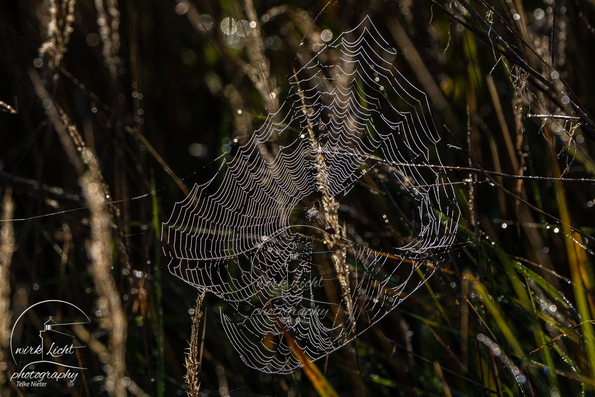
x: 319, y: 381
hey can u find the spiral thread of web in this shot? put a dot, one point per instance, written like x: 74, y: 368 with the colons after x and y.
x: 244, y: 235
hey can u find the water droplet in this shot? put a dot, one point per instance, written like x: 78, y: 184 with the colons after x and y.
x: 197, y: 149
x: 326, y: 35
x: 504, y: 225
x: 229, y: 26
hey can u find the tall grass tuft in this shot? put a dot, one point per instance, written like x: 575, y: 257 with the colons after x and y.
x: 193, y: 357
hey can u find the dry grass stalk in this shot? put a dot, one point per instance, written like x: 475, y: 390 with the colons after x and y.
x: 109, y: 24
x: 259, y: 68
x: 61, y: 17
x: 5, y: 107
x: 187, y: 8
x: 520, y: 85
x: 193, y: 356
x: 6, y: 250
x: 112, y: 318
x: 99, y: 247
x: 54, y: 116
x: 330, y: 206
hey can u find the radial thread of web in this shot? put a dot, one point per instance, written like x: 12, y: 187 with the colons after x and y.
x: 257, y: 237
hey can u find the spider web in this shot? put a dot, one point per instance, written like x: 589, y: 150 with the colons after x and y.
x: 283, y: 232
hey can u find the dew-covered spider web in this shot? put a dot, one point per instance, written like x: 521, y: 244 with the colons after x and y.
x: 331, y: 214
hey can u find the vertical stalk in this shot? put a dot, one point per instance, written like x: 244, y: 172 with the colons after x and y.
x: 330, y: 206
x: 6, y: 250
